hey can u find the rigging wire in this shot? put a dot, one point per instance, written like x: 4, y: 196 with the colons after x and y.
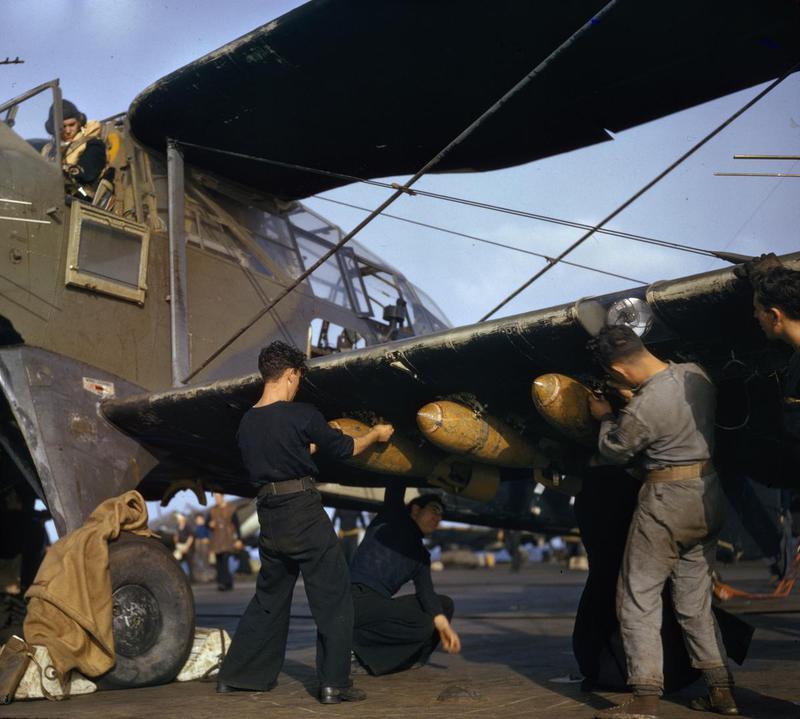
x: 566, y: 223
x: 405, y: 188
x: 747, y: 221
x: 636, y: 195
x: 481, y: 239
x: 457, y: 200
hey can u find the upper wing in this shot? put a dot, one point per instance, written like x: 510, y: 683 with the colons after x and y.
x: 705, y: 318
x: 373, y: 89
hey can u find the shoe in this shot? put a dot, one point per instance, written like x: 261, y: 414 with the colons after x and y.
x: 640, y: 707
x: 719, y: 700
x: 335, y: 695
x: 223, y: 688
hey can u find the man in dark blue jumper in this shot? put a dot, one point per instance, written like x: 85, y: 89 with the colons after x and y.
x: 276, y: 438
x: 391, y: 635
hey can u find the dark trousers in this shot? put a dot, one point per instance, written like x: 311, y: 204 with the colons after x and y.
x: 224, y: 577
x: 296, y: 536
x: 391, y: 635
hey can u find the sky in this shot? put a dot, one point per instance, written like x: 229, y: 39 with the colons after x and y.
x: 107, y: 51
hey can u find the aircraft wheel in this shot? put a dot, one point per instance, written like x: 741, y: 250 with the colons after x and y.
x: 153, y: 614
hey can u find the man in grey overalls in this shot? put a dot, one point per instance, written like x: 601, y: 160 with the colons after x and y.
x: 667, y: 428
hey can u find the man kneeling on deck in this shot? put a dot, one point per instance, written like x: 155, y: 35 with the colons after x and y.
x: 667, y: 427
x: 391, y: 635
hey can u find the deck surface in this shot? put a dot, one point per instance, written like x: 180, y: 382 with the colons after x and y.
x: 515, y: 631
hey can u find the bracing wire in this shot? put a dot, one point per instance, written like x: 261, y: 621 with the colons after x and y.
x: 482, y: 240
x: 636, y: 195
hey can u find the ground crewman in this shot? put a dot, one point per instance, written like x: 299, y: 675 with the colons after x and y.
x: 776, y: 303
x: 275, y: 438
x: 667, y: 428
x: 393, y: 634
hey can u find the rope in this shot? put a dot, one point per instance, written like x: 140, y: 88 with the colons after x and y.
x: 64, y: 684
x: 216, y: 666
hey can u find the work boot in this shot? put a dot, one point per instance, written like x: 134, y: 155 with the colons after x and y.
x: 719, y: 700
x: 644, y: 706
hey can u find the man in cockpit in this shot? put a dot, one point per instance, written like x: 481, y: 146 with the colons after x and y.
x: 83, y: 152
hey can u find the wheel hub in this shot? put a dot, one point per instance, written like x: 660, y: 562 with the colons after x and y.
x: 136, y: 620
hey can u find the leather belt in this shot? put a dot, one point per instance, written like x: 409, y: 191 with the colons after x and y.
x: 285, y: 486
x: 680, y: 471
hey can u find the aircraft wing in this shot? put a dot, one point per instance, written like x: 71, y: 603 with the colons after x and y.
x: 705, y: 318
x: 373, y: 89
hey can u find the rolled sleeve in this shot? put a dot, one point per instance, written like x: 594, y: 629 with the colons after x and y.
x: 330, y: 442
x: 623, y: 438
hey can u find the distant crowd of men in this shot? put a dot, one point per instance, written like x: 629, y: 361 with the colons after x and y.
x: 212, y: 536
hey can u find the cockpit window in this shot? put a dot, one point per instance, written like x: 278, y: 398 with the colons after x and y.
x: 425, y: 311
x: 326, y: 281
x: 304, y: 219
x: 272, y: 233
x: 326, y: 337
x: 381, y: 289
x: 355, y: 282
x: 107, y: 253
x: 27, y: 114
x: 338, y: 280
x: 208, y: 225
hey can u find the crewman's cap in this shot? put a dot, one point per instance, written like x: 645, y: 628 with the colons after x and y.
x: 68, y: 110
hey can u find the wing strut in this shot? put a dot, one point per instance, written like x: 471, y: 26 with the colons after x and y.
x: 403, y: 189
x: 553, y: 262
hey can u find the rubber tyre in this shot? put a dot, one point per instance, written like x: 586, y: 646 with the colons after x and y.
x: 143, y: 567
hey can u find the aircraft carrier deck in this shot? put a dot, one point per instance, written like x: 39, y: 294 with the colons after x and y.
x: 515, y: 630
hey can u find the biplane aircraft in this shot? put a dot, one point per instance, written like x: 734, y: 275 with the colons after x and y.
x: 111, y: 315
